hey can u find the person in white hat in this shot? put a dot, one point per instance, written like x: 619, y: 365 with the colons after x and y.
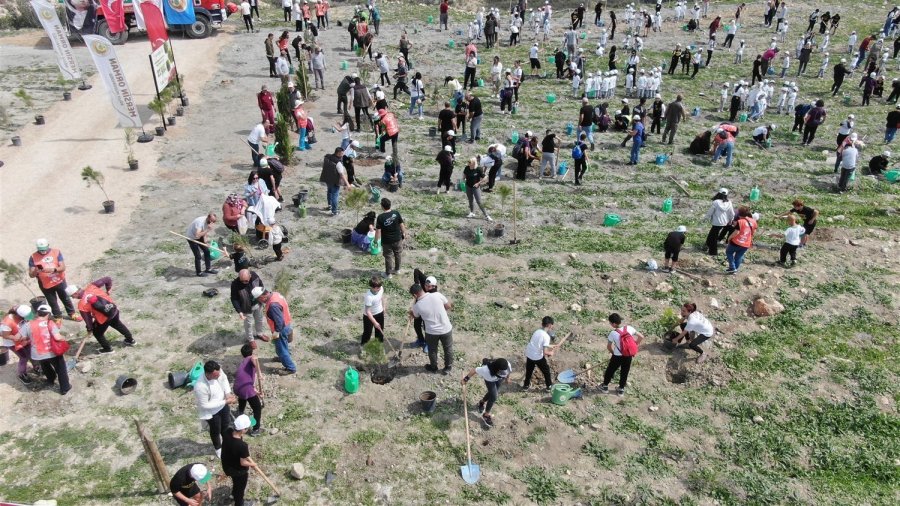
x: 99, y: 311
x: 278, y: 316
x: 672, y: 247
x: 45, y: 338
x: 637, y: 139
x: 236, y: 461
x: 10, y: 339
x: 185, y: 485
x: 48, y: 266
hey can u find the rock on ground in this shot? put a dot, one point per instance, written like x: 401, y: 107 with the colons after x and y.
x: 762, y: 307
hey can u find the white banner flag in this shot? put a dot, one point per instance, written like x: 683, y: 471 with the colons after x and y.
x: 138, y: 15
x: 65, y: 58
x: 113, y: 75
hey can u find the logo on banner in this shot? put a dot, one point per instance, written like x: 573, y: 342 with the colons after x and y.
x: 113, y: 76
x: 47, y: 14
x: 179, y: 12
x: 100, y: 48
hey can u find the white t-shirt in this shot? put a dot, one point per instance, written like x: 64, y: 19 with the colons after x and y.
x: 373, y: 301
x: 256, y: 134
x: 697, y: 322
x: 431, y: 308
x: 792, y: 235
x: 485, y: 373
x: 760, y: 130
x: 533, y: 52
x: 614, y: 338
x: 196, y: 226
x: 245, y: 8
x: 539, y: 340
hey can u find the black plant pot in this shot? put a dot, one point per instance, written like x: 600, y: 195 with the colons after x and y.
x: 67, y: 95
x: 160, y: 131
x: 16, y: 140
x: 133, y: 164
x: 171, y: 120
x: 184, y: 101
x: 109, y: 206
x: 179, y: 111
x: 39, y: 119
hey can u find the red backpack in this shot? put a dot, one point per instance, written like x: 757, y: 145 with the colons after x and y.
x: 627, y: 345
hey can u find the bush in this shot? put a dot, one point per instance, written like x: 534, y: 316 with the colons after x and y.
x: 284, y: 146
x: 19, y: 14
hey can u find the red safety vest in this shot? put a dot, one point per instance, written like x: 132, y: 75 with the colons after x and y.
x: 320, y: 9
x: 362, y: 28
x: 390, y: 122
x: 10, y: 321
x: 45, y: 260
x: 41, y: 332
x: 85, y: 306
x: 744, y: 236
x: 276, y: 298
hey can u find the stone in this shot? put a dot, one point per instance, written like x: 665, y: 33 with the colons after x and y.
x: 758, y: 419
x: 298, y: 471
x: 707, y: 283
x: 85, y: 367
x: 751, y: 280
x: 664, y: 287
x: 514, y: 306
x: 383, y: 493
x: 653, y: 409
x: 274, y: 430
x: 840, y: 217
x: 369, y: 461
x: 713, y: 303
x: 596, y: 426
x: 575, y: 307
x: 761, y: 307
x: 573, y: 256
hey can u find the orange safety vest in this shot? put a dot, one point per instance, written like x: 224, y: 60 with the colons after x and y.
x: 305, y: 11
x: 10, y: 321
x: 362, y: 28
x: 85, y: 306
x: 744, y: 236
x: 276, y: 298
x: 320, y: 9
x: 41, y: 332
x: 390, y: 122
x: 45, y: 260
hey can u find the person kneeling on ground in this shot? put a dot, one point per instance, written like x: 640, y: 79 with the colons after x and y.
x: 702, y: 143
x: 185, y: 485
x: 696, y: 327
x: 762, y: 133
x: 392, y: 173
x: 494, y: 372
x: 879, y: 163
x: 364, y: 232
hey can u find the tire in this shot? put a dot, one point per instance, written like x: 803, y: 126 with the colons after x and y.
x: 200, y: 29
x: 115, y: 38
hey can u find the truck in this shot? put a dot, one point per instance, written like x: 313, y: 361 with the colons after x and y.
x: 209, y: 14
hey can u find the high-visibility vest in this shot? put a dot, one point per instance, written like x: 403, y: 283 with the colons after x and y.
x: 84, y: 305
x: 276, y: 298
x: 390, y: 123
x: 744, y: 235
x: 41, y: 332
x: 10, y: 321
x: 50, y: 259
x: 320, y: 9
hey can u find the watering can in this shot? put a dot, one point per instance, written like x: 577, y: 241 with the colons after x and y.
x: 430, y: 19
x: 514, y: 136
x: 583, y: 35
x: 551, y: 59
x: 461, y: 185
x: 214, y: 253
x: 742, y: 118
x: 661, y: 159
x: 515, y: 108
x: 561, y: 393
x: 301, y: 210
x: 479, y: 235
x: 611, y: 220
x: 344, y: 65
x: 375, y: 195
x: 351, y: 380
x: 667, y: 205
x: 270, y: 149
x: 569, y: 128
x: 892, y: 175
x: 563, y: 168
x: 451, y: 43
x: 481, y: 83
x: 195, y: 373
x: 754, y: 194
x: 768, y: 143
x: 551, y: 98
x: 375, y: 248
x: 847, y: 99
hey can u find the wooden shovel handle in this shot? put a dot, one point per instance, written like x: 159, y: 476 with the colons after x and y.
x: 274, y: 488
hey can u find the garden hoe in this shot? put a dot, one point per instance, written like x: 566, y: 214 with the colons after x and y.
x: 398, y: 359
x: 471, y: 473
x: 272, y: 499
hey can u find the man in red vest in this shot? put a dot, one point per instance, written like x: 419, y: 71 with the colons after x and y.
x: 47, y: 265
x: 41, y: 331
x: 278, y: 314
x: 99, y: 311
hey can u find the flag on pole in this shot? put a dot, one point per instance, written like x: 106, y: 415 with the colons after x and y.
x: 179, y: 12
x: 156, y: 26
x: 65, y: 57
x: 113, y: 75
x: 114, y: 13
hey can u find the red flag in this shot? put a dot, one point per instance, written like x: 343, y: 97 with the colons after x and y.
x: 114, y: 12
x: 156, y: 25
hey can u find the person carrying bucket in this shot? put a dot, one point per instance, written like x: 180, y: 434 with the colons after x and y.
x: 99, y: 312
x: 494, y: 372
x: 537, y: 351
x: 278, y: 314
x: 622, y: 344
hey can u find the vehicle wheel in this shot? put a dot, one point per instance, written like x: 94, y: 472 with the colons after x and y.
x: 199, y: 29
x: 115, y: 38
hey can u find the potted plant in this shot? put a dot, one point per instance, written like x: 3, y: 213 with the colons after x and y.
x: 91, y: 176
x: 504, y: 192
x: 130, y: 138
x: 66, y: 86
x: 28, y: 102
x: 159, y: 107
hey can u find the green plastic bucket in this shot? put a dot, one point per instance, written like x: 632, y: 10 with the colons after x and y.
x: 451, y: 43
x: 755, y: 194
x: 351, y: 380
x: 551, y: 98
x: 611, y: 220
x: 214, y: 254
x: 892, y: 175
x: 667, y: 205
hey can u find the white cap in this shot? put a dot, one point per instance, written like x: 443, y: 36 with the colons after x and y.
x: 850, y: 116
x: 854, y: 136
x: 872, y: 75
x: 256, y: 292
x: 200, y: 473
x: 43, y: 308
x: 624, y: 100
x: 636, y: 116
x: 451, y: 132
x: 886, y: 154
x: 723, y: 191
x: 263, y: 162
x: 23, y: 311
x: 376, y: 117
x: 772, y: 126
x: 298, y: 103
x: 843, y: 60
x: 355, y: 144
x: 528, y: 133
x: 71, y: 289
x: 42, y: 244
x: 658, y: 96
x: 242, y: 422
x: 431, y: 280
x: 448, y: 148
x: 681, y: 228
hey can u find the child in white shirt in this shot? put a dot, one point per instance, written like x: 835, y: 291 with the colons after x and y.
x: 723, y: 96
x: 792, y: 237
x: 739, y: 55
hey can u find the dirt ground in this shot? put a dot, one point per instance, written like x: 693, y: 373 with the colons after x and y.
x: 377, y: 443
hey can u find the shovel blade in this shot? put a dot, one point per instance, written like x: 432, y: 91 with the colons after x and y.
x: 567, y: 376
x: 70, y: 364
x: 471, y: 473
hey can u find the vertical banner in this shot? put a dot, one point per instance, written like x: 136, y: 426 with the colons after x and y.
x: 138, y: 15
x: 179, y: 12
x: 82, y: 16
x: 163, y: 59
x: 156, y: 26
x: 113, y: 75
x: 65, y: 58
x: 114, y: 12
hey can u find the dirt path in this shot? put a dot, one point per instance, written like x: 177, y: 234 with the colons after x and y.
x: 83, y: 132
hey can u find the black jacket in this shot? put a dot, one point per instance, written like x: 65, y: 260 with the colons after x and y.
x: 330, y: 175
x: 240, y: 293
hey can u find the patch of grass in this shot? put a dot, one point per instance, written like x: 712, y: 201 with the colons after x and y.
x: 366, y: 438
x: 482, y: 494
x: 603, y: 455
x: 544, y: 485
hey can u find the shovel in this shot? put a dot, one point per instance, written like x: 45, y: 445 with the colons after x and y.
x: 568, y: 376
x: 72, y: 362
x: 514, y: 240
x: 470, y: 472
x: 272, y: 499
x: 397, y: 360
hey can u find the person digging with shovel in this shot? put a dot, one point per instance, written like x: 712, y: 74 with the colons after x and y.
x: 213, y: 395
x: 374, y: 308
x: 494, y: 372
x: 99, y: 312
x: 278, y: 315
x: 236, y: 461
x: 185, y: 485
x: 537, y: 351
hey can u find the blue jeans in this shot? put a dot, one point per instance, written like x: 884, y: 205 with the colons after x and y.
x: 635, y: 150
x: 889, y: 134
x: 386, y: 178
x: 735, y: 255
x: 862, y: 57
x: 302, y: 143
x: 281, y: 349
x: 334, y: 193
x: 728, y: 148
x: 587, y: 131
x: 254, y: 153
x: 413, y: 106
